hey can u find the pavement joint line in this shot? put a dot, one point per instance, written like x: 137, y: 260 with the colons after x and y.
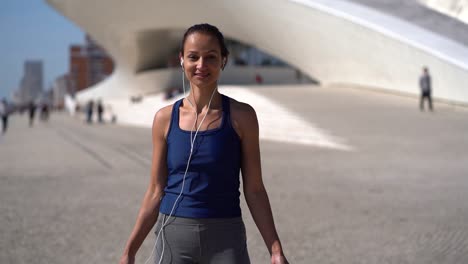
x: 120, y: 148
x: 132, y: 155
x: 83, y: 147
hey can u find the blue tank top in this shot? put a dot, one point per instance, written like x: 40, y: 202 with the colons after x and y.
x: 212, y: 182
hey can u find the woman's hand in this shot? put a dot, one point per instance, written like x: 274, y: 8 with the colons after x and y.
x: 126, y: 259
x: 278, y: 259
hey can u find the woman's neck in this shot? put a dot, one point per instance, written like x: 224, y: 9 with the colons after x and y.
x: 200, y: 97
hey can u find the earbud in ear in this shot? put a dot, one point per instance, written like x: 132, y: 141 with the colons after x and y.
x: 224, y: 63
x: 182, y: 62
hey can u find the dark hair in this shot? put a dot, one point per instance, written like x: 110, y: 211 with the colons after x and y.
x: 206, y: 29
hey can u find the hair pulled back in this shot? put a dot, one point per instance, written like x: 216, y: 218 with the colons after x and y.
x: 209, y: 30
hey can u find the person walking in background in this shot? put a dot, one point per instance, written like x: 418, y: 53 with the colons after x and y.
x: 100, y: 111
x: 89, y: 111
x: 32, y: 113
x: 203, y: 141
x: 4, y: 114
x: 426, y: 89
x: 258, y: 78
x: 44, y: 112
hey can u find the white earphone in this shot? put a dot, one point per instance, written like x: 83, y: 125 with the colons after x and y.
x: 224, y: 63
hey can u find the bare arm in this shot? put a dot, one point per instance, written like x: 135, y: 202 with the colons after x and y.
x: 254, y: 189
x: 148, y: 213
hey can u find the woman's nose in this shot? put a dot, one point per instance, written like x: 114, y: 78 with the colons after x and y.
x: 201, y: 63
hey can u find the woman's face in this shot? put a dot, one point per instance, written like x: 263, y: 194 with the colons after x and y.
x: 202, y: 59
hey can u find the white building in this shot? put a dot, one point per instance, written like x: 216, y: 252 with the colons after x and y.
x: 336, y: 42
x: 60, y: 89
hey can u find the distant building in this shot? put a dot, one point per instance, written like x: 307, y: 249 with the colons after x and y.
x: 15, y: 96
x: 32, y: 82
x: 89, y: 64
x: 59, y: 90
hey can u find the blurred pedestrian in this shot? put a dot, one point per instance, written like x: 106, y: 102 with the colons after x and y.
x: 44, y: 112
x: 4, y: 114
x: 426, y: 89
x: 258, y: 78
x: 89, y: 111
x: 100, y: 111
x: 32, y: 113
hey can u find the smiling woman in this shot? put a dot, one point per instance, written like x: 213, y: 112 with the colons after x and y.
x: 201, y: 143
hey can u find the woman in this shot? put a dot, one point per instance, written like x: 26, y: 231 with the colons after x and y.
x: 200, y: 143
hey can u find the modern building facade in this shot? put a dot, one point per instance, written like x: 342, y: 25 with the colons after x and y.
x: 336, y: 42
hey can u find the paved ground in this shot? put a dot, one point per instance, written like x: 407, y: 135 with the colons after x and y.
x: 423, y: 16
x: 70, y: 192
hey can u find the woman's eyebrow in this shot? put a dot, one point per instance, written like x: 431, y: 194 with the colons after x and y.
x: 210, y: 51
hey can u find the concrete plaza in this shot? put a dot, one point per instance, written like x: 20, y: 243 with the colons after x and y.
x: 70, y: 192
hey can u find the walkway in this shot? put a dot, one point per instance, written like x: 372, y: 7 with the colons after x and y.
x: 70, y: 192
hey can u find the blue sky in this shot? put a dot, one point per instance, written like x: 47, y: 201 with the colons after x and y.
x: 31, y: 29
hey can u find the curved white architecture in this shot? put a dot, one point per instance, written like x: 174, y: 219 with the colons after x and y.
x: 333, y: 41
x: 454, y: 8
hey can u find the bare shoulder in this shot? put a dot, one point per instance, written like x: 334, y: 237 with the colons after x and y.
x: 242, y: 109
x: 243, y: 116
x: 162, y: 120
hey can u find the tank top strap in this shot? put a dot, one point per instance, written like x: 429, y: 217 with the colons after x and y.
x: 175, y: 110
x: 227, y: 110
x: 175, y: 115
x: 226, y: 105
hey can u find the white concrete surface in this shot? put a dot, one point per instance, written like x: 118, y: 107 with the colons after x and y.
x: 454, y: 8
x: 334, y: 41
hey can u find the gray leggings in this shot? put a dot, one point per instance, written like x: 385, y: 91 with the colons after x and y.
x: 202, y: 241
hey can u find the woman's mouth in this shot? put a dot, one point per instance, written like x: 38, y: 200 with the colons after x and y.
x: 201, y: 75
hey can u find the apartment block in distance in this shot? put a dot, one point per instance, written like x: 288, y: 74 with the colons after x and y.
x: 89, y: 64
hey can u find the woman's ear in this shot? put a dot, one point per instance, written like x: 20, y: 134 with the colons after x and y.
x: 181, y: 58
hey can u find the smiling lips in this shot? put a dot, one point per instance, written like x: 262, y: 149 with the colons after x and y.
x: 202, y: 75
